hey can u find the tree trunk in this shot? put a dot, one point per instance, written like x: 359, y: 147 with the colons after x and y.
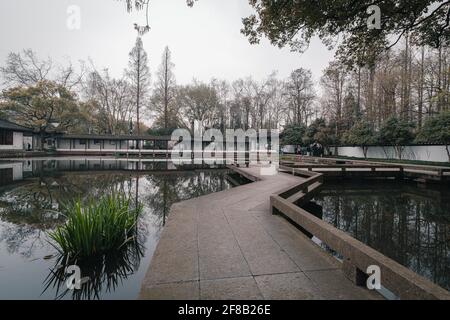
x: 166, y: 92
x: 399, y: 152
x: 365, y: 150
x: 439, y: 100
x: 421, y: 88
x: 447, y: 147
x: 358, y: 112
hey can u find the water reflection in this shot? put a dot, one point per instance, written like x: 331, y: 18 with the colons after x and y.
x: 102, y: 274
x: 30, y: 196
x: 407, y: 223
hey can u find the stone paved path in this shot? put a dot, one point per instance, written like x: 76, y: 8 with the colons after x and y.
x: 229, y: 246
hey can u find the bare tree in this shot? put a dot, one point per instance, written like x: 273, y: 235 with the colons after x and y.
x: 333, y: 82
x: 223, y: 108
x: 139, y: 74
x: 27, y: 69
x: 198, y: 102
x: 300, y: 91
x: 112, y: 100
x: 164, y: 92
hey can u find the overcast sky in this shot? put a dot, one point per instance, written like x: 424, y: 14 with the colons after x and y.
x: 205, y: 40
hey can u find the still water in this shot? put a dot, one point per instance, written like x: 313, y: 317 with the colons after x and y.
x: 31, y: 192
x: 406, y: 222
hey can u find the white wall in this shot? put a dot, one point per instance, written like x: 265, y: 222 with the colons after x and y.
x: 288, y: 149
x: 17, y: 142
x: 423, y: 153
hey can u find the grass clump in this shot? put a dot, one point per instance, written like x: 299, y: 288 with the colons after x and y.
x: 96, y: 227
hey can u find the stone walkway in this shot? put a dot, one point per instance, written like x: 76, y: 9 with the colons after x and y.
x: 228, y: 245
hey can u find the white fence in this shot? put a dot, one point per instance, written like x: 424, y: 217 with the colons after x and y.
x: 423, y: 153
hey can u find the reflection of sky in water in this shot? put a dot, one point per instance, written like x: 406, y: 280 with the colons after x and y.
x: 408, y: 223
x: 29, y: 198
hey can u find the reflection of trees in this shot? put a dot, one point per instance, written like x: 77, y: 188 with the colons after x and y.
x: 167, y: 189
x: 204, y: 183
x: 164, y: 192
x: 31, y: 209
x: 412, y: 229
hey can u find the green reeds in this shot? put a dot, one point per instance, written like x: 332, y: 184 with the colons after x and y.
x: 96, y: 227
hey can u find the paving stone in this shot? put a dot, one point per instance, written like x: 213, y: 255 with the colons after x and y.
x: 300, y: 249
x: 333, y: 285
x: 230, y: 289
x: 262, y: 253
x: 171, y: 291
x: 176, y: 255
x: 288, y: 286
x: 219, y: 252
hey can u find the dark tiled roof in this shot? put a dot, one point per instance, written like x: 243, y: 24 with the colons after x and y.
x: 5, y: 124
x: 113, y: 137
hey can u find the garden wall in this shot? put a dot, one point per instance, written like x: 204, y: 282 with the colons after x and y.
x: 422, y: 153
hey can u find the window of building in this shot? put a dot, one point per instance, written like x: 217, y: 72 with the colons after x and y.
x: 6, y: 137
x: 83, y: 142
x: 96, y: 141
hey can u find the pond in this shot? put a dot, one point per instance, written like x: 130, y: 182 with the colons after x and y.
x: 32, y: 191
x: 407, y: 222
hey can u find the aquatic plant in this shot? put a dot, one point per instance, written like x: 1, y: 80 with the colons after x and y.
x: 96, y: 226
x: 102, y: 273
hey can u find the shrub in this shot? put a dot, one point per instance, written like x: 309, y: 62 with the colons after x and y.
x: 396, y: 132
x: 293, y: 135
x: 361, y: 134
x: 97, y: 227
x: 436, y: 130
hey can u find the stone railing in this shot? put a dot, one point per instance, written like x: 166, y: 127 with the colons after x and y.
x: 357, y: 257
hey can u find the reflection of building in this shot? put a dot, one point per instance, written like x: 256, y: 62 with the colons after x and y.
x: 10, y: 173
x: 14, y: 137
